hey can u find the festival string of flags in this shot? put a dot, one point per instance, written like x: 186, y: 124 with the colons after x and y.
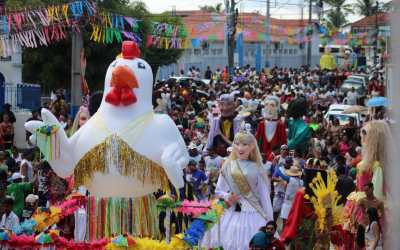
x: 44, y: 26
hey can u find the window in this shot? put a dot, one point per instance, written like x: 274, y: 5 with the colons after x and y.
x: 290, y: 51
x: 213, y: 52
x: 295, y: 51
x: 280, y: 51
x: 246, y: 53
x: 197, y: 51
x: 189, y: 52
x: 5, y: 59
x: 275, y: 51
x: 269, y: 51
x: 206, y: 51
x: 252, y: 52
x: 285, y: 51
x: 219, y: 51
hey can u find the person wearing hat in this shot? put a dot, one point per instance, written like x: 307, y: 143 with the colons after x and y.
x: 294, y: 183
x: 18, y: 189
x: 194, y: 152
x: 31, y: 204
x: 223, y: 128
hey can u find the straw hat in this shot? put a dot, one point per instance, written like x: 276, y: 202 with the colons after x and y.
x: 293, y: 171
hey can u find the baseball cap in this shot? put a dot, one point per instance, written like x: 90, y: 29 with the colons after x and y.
x: 284, y: 147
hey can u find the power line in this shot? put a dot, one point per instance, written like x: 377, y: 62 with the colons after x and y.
x: 284, y: 4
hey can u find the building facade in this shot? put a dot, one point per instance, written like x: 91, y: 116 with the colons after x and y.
x: 285, y: 49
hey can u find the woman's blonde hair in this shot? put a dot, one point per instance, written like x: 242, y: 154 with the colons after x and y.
x: 375, y: 136
x: 247, y: 138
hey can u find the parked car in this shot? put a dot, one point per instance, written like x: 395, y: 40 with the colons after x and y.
x: 336, y: 111
x: 358, y: 82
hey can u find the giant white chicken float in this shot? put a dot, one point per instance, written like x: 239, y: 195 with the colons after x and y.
x: 124, y: 150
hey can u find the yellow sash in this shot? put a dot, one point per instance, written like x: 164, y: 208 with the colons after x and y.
x: 242, y: 186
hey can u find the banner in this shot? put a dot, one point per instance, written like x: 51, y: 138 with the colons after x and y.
x: 47, y: 25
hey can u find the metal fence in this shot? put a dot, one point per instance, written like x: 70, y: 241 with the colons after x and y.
x: 20, y: 96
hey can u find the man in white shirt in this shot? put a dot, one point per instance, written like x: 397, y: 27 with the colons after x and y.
x: 352, y: 97
x: 213, y: 161
x: 9, y: 220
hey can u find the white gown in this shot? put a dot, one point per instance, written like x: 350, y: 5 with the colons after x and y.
x: 237, y: 228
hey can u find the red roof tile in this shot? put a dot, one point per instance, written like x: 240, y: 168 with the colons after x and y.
x: 383, y: 19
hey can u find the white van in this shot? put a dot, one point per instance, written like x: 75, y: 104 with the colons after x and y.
x: 336, y: 111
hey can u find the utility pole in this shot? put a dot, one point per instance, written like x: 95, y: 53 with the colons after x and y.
x: 268, y: 33
x: 376, y: 34
x: 227, y: 8
x: 303, y: 59
x: 76, y: 93
x: 232, y: 18
x: 309, y: 36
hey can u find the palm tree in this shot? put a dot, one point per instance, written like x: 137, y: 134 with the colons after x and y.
x: 387, y: 7
x: 366, y: 7
x: 210, y: 8
x: 336, y: 15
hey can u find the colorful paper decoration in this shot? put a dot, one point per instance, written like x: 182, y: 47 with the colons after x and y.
x: 44, y: 26
x: 48, y: 134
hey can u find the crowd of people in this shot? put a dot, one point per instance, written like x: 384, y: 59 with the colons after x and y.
x: 210, y: 115
x: 281, y: 111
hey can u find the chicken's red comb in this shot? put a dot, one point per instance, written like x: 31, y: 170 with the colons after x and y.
x: 130, y: 50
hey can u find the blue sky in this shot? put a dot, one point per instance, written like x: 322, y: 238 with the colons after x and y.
x: 279, y: 8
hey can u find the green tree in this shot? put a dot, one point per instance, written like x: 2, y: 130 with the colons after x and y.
x: 366, y: 7
x: 336, y: 15
x: 211, y: 8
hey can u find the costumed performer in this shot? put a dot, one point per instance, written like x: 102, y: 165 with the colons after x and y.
x: 271, y: 132
x: 374, y: 136
x: 245, y: 186
x: 299, y: 132
x: 123, y: 144
x: 223, y: 128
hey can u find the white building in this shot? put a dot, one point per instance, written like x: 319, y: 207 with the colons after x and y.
x: 285, y: 50
x: 11, y: 68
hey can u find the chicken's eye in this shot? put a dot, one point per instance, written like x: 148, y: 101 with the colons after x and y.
x: 141, y: 65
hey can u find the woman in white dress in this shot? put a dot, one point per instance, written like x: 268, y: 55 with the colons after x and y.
x: 245, y: 186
